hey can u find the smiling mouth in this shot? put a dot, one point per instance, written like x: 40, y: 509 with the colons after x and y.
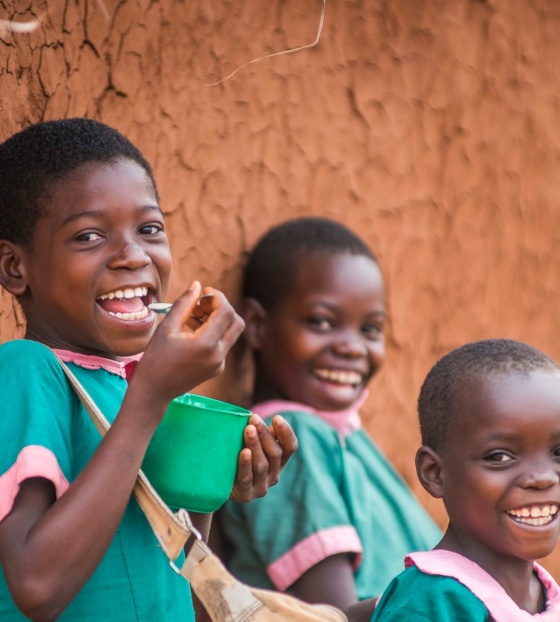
x: 127, y: 304
x: 534, y: 515
x: 340, y: 377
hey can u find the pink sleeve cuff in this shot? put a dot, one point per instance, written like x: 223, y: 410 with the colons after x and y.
x: 309, y: 552
x: 32, y: 461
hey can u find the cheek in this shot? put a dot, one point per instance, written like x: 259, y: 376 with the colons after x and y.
x: 377, y: 354
x: 163, y: 263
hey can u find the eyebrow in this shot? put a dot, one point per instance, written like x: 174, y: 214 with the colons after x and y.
x: 334, y: 307
x: 98, y: 213
x: 513, y: 436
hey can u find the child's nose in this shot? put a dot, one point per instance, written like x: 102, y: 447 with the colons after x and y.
x: 541, y: 476
x: 350, y: 346
x: 129, y: 255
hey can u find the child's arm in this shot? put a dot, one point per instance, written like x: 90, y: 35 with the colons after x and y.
x: 330, y: 581
x: 362, y: 611
x: 50, y: 547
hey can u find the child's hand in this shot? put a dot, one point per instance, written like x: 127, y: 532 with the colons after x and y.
x: 266, y: 452
x: 185, y: 351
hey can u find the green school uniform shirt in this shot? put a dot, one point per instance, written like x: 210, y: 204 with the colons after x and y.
x: 420, y: 597
x: 446, y: 586
x: 45, y: 432
x: 337, y: 494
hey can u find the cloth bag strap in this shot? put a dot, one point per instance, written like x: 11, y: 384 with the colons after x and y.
x: 174, y: 531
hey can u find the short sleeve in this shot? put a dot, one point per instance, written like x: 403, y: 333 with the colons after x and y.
x: 418, y: 597
x: 36, y: 422
x: 301, y: 520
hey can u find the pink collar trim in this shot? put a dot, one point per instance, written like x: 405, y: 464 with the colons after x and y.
x: 89, y: 361
x: 343, y: 421
x: 500, y: 606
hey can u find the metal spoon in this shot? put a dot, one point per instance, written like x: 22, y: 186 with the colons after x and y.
x: 165, y: 307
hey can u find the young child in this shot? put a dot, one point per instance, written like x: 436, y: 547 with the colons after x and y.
x: 336, y: 527
x: 490, y: 420
x: 84, y: 250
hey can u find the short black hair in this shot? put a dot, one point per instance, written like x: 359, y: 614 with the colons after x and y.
x: 458, y: 374
x: 271, y: 267
x: 43, y: 153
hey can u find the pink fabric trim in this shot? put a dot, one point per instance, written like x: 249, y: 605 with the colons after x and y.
x: 88, y: 361
x: 305, y: 554
x: 485, y: 587
x: 32, y: 461
x: 343, y: 421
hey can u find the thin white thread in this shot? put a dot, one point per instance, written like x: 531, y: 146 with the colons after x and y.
x: 302, y: 47
x: 20, y: 27
x: 104, y: 10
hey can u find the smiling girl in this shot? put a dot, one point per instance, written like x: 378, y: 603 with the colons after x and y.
x: 336, y: 527
x: 83, y: 248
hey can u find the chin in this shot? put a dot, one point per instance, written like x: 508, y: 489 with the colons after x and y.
x: 130, y: 347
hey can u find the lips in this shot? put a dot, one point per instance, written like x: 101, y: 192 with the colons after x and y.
x: 534, y: 515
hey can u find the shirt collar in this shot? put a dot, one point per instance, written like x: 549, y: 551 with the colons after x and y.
x: 343, y: 421
x: 89, y: 361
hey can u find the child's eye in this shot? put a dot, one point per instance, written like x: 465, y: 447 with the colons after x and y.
x: 556, y: 452
x: 319, y: 323
x: 373, y: 331
x: 151, y: 229
x: 499, y: 457
x: 88, y: 236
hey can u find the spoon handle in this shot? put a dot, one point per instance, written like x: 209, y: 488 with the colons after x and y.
x: 164, y: 307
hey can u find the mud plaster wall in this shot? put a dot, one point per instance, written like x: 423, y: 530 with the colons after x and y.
x: 430, y: 127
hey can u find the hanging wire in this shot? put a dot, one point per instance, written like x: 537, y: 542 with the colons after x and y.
x: 103, y: 8
x: 290, y: 51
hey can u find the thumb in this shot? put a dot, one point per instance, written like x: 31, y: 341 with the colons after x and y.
x: 183, y: 306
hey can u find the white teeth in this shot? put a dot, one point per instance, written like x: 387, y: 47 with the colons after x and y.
x: 535, y: 515
x: 126, y: 293
x: 138, y: 315
x: 339, y: 376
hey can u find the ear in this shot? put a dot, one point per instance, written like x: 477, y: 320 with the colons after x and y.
x: 429, y: 468
x: 12, y: 271
x: 255, y: 316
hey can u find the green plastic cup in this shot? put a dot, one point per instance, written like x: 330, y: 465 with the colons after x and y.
x: 192, y: 458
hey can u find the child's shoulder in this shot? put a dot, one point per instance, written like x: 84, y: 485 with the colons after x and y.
x: 26, y: 355
x: 417, y: 596
x: 25, y: 349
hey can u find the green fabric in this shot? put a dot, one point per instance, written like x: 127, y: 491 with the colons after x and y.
x: 134, y: 582
x: 414, y: 596
x: 330, y: 482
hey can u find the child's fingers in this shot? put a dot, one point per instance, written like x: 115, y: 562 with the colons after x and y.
x: 223, y: 323
x: 182, y: 308
x: 203, y: 308
x: 285, y: 436
x: 243, y: 486
x: 260, y: 462
x: 266, y: 453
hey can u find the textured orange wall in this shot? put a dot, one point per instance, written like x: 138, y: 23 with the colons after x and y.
x: 430, y: 127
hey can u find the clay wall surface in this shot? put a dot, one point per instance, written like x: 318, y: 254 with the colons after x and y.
x: 429, y: 127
